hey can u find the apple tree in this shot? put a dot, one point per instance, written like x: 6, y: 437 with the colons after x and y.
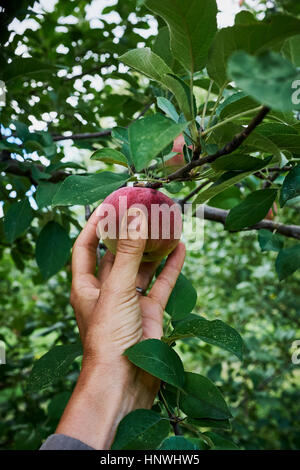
x: 93, y: 102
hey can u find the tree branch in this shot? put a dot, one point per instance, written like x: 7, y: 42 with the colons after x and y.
x: 96, y: 135
x: 17, y: 168
x: 210, y: 213
x: 219, y: 215
x: 91, y: 135
x: 230, y: 147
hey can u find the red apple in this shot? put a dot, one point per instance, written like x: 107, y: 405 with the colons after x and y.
x: 163, y: 216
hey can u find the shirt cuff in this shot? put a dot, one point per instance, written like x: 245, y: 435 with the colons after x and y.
x: 62, y: 442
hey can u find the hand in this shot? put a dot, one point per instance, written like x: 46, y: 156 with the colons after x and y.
x: 112, y: 316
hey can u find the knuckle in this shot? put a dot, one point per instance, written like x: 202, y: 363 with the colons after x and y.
x: 128, y: 247
x: 165, y: 281
x: 74, y: 296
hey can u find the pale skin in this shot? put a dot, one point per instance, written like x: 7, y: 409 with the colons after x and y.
x: 112, y: 316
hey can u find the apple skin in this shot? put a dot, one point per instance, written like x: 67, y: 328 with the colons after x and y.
x: 177, y: 160
x: 156, y: 248
x: 272, y: 212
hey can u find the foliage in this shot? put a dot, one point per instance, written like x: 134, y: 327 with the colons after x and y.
x: 73, y: 81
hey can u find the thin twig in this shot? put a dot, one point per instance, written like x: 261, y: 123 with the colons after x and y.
x: 87, y: 210
x: 88, y: 135
x: 194, y: 192
x: 230, y: 147
x: 174, y: 420
x: 205, y: 104
x: 217, y: 103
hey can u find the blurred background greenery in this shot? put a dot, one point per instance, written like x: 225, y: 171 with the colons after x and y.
x: 235, y: 281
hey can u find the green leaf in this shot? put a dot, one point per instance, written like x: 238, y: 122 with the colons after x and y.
x: 14, y: 148
x: 288, y: 261
x: 213, y: 332
x: 227, y: 180
x: 183, y: 95
x: 161, y: 46
x: 291, y: 186
x: 257, y: 142
x: 182, y: 299
x: 227, y: 199
x: 151, y: 65
x: 235, y: 104
x: 120, y: 134
x: 22, y: 130
x: 52, y: 249
x: 168, y: 108
x: 236, y: 162
x: 141, y: 430
x: 25, y: 67
x: 251, y: 38
x: 269, y: 241
x: 245, y: 17
x: 157, y: 358
x: 202, y: 399
x: 287, y: 142
x: 86, y: 189
x: 252, y: 210
x: 205, y: 84
x: 53, y: 365
x: 221, y: 443
x: 150, y: 136
x: 274, y: 129
x: 192, y: 25
x: 57, y: 405
x: 177, y: 443
x: 45, y: 193
x: 210, y: 423
x: 62, y: 165
x: 108, y: 155
x: 17, y: 219
x: 268, y: 78
x: 291, y: 50
x: 146, y: 62
x: 291, y: 6
x: 174, y: 187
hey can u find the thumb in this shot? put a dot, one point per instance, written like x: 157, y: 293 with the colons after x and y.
x: 130, y: 248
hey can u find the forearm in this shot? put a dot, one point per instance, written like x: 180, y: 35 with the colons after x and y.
x: 103, y: 395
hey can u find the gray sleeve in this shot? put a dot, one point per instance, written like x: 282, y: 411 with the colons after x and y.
x: 62, y: 442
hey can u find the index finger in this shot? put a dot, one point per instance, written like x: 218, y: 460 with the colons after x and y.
x: 85, y: 248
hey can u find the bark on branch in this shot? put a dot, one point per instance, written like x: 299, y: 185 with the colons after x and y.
x: 85, y: 136
x: 219, y: 215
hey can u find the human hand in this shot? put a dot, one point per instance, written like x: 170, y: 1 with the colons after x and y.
x: 112, y: 316
x: 108, y: 306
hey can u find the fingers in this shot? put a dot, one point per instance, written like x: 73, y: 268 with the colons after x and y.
x: 85, y: 248
x: 130, y: 248
x: 165, y: 282
x: 106, y: 263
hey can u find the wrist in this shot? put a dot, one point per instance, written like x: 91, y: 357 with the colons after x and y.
x: 121, y: 378
x: 104, y: 394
